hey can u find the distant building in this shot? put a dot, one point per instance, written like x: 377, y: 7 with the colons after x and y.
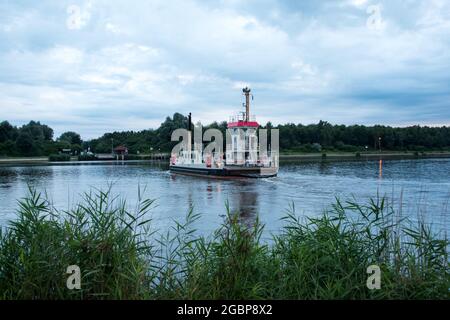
x: 121, y: 150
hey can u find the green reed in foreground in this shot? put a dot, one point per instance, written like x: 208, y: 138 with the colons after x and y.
x: 120, y: 257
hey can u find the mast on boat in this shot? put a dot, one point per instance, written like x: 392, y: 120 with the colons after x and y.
x: 247, y: 91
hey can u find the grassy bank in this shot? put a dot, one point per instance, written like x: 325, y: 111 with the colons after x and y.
x: 363, y: 155
x: 120, y: 256
x: 66, y: 158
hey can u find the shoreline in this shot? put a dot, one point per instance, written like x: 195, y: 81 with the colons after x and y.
x: 283, y: 157
x: 365, y: 155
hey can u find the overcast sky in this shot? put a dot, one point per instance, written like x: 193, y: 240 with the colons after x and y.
x: 103, y: 65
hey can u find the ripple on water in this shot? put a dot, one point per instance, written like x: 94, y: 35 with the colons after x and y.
x: 420, y: 187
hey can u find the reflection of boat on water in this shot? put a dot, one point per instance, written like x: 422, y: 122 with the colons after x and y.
x: 243, y: 156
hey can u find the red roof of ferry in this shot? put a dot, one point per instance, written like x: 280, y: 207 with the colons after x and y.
x: 241, y: 124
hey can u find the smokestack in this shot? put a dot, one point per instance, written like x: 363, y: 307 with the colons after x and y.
x: 190, y: 122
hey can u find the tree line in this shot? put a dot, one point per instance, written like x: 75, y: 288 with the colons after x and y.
x: 358, y: 137
x: 36, y: 139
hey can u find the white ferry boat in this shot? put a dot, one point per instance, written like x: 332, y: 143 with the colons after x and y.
x: 243, y: 156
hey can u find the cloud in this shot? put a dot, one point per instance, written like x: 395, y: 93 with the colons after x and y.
x: 115, y: 66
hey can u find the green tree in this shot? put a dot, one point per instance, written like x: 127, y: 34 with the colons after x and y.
x: 38, y: 131
x: 8, y: 148
x: 25, y: 144
x: 7, y: 132
x: 71, y: 137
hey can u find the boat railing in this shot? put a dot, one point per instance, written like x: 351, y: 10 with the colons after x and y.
x: 216, y: 159
x: 241, y: 117
x: 268, y: 159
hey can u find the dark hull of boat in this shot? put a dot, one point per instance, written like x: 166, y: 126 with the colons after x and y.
x: 227, y: 172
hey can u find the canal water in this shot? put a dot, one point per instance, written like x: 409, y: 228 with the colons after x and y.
x: 421, y: 187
